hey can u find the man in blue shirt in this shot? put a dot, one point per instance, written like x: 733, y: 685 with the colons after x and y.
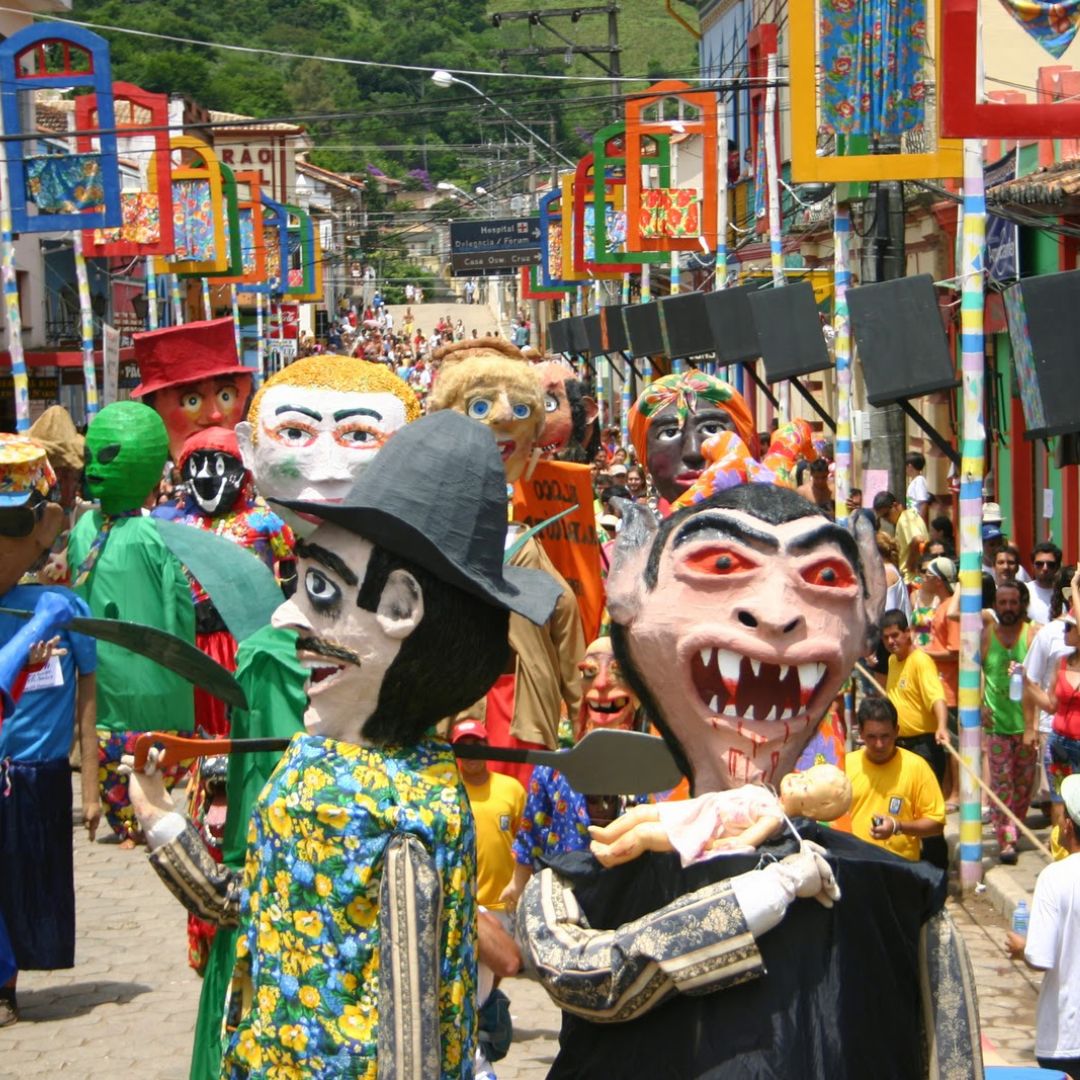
x: 37, y: 887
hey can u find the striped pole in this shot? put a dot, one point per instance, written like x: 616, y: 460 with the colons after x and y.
x: 260, y: 347
x: 19, y: 377
x: 842, y: 356
x: 625, y: 403
x: 646, y: 298
x: 151, y: 293
x: 86, y: 318
x: 772, y: 181
x: 177, y: 302
x: 720, y: 271
x: 208, y: 308
x: 972, y: 470
x: 235, y: 298
x: 625, y: 294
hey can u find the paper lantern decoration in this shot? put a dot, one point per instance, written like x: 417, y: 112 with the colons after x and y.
x: 855, y: 100
x: 70, y: 191
x: 200, y: 245
x: 249, y: 213
x: 963, y: 113
x: 146, y: 210
x: 574, y: 242
x: 662, y: 217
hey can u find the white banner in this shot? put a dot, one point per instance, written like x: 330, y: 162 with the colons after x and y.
x: 110, y: 362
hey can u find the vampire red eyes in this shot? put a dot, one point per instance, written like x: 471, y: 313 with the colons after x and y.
x: 829, y: 573
x: 719, y: 561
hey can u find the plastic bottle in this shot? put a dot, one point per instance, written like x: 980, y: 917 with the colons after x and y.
x: 1016, y: 684
x: 1020, y: 919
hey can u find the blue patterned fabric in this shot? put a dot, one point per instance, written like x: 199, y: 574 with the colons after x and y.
x: 65, y: 183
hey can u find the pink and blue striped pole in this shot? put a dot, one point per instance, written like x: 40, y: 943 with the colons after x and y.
x: 86, y: 318
x: 151, y: 294
x: 842, y: 357
x: 19, y: 377
x: 972, y: 471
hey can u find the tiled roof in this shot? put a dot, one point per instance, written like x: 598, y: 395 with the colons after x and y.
x: 1053, y: 189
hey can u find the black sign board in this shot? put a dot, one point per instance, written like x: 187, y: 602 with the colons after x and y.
x: 789, y: 331
x: 559, y: 336
x: 493, y: 262
x: 594, y: 342
x: 684, y: 326
x: 643, y: 329
x: 493, y: 245
x: 734, y: 335
x: 614, y: 328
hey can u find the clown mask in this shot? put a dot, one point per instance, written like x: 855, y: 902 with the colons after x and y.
x: 736, y: 622
x: 126, y: 449
x: 191, y: 407
x: 607, y: 701
x: 213, y: 470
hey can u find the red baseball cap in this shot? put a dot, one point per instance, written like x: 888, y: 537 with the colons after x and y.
x: 465, y: 728
x: 187, y: 353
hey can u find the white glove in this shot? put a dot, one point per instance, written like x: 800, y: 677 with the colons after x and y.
x: 152, y: 804
x: 764, y: 895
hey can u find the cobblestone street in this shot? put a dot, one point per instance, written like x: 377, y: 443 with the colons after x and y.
x: 131, y: 998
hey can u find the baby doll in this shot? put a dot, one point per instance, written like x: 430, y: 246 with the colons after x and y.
x: 722, y: 821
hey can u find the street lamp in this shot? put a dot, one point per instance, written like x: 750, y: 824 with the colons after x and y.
x: 444, y: 79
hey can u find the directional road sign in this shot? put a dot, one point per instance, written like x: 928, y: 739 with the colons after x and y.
x: 499, y: 244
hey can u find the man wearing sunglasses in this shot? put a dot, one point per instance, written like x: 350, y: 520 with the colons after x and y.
x: 1045, y: 561
x: 37, y: 893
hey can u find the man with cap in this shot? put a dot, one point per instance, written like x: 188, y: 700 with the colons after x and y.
x: 1052, y: 945
x: 37, y: 888
x: 190, y: 374
x: 944, y: 648
x: 356, y: 906
x: 909, y: 529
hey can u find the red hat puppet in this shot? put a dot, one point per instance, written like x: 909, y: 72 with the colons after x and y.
x: 193, y: 378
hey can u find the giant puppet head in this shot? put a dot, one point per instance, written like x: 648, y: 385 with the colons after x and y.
x: 126, y: 450
x: 569, y: 412
x: 403, y: 605
x: 315, y: 425
x: 213, y: 470
x: 736, y: 621
x: 29, y: 520
x: 606, y: 701
x: 503, y: 394
x: 673, y: 417
x: 192, y: 376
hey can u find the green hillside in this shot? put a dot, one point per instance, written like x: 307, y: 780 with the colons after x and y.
x: 356, y: 114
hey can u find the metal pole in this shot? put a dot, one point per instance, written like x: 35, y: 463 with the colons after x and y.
x: 177, y: 302
x: 260, y: 346
x: 19, y: 378
x: 842, y: 356
x: 86, y: 318
x: 972, y: 470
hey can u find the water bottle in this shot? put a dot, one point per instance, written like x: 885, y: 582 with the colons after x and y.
x: 1020, y: 919
x: 1016, y: 684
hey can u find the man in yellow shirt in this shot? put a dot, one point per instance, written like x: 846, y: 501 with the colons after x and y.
x: 497, y: 803
x: 895, y: 800
x: 909, y: 529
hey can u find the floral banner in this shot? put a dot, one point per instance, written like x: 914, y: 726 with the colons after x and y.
x: 141, y: 212
x: 247, y: 240
x: 554, y: 249
x: 1052, y: 23
x: 872, y: 66
x: 670, y: 212
x: 65, y: 183
x: 193, y: 221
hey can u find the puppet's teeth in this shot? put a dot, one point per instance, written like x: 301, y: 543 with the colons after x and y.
x: 749, y: 714
x: 714, y: 705
x: 787, y: 714
x: 784, y: 669
x: 729, y: 711
x: 755, y: 666
x: 706, y: 656
x: 771, y: 715
x: 810, y: 675
x: 729, y: 665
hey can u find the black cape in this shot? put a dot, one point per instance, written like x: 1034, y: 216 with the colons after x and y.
x: 839, y: 997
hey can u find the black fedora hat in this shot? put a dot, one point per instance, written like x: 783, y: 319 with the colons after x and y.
x: 435, y: 494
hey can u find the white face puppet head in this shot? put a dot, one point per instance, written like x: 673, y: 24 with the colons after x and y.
x: 313, y: 427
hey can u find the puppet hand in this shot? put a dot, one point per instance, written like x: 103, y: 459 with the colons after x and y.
x: 146, y: 789
x: 809, y: 873
x: 646, y: 836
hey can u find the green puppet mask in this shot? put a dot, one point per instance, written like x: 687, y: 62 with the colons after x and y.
x: 126, y: 449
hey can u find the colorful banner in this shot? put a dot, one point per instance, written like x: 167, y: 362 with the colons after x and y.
x: 571, y: 542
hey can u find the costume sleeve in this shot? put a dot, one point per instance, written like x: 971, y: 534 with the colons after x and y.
x: 569, y: 641
x: 696, y: 944
x: 206, y: 888
x: 950, y: 1018
x: 528, y: 843
x: 410, y: 903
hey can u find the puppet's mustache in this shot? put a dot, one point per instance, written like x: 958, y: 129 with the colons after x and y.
x: 327, y: 649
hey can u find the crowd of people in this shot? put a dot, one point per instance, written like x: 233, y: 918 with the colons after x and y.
x: 329, y: 479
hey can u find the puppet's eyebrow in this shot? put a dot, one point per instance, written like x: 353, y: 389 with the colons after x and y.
x: 825, y: 535
x: 328, y: 559
x: 344, y: 414
x: 298, y: 408
x: 728, y: 528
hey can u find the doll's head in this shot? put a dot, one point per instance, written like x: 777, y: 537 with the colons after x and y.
x: 823, y: 793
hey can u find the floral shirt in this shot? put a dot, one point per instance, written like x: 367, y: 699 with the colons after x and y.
x: 555, y: 820
x: 307, y: 990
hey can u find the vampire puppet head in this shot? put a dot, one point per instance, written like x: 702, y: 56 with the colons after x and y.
x: 736, y: 621
x: 403, y: 604
x: 126, y: 449
x: 213, y: 470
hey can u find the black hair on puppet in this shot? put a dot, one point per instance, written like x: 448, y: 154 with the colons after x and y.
x: 450, y: 660
x: 575, y: 395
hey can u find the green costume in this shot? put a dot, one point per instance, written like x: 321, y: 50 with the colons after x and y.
x: 273, y: 681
